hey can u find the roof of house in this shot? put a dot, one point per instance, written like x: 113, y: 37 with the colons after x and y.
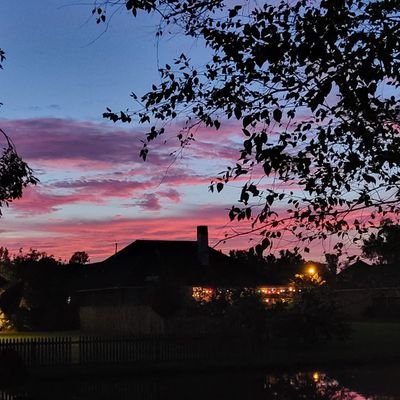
x: 363, y: 275
x: 144, y: 261
x: 164, y: 252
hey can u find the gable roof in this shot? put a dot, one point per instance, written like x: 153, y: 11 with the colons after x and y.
x: 164, y: 252
x: 144, y: 260
x: 363, y: 275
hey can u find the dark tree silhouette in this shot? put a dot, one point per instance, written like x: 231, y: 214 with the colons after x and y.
x: 270, y: 269
x: 315, y: 86
x: 45, y: 289
x: 332, y: 262
x: 383, y: 246
x: 285, y: 266
x: 79, y: 257
x: 15, y: 174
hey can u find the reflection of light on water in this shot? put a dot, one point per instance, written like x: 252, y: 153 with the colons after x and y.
x: 194, y: 386
x: 316, y: 385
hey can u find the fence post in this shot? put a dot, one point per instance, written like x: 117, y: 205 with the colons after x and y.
x: 80, y: 349
x: 33, y: 351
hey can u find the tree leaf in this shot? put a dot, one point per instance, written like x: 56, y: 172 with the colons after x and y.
x: 277, y: 115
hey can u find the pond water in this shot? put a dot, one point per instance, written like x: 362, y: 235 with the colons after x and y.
x: 372, y: 383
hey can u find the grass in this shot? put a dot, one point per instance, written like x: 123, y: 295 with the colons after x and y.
x: 35, y: 335
x: 370, y: 342
x: 374, y: 339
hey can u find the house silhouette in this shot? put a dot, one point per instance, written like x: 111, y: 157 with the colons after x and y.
x: 127, y: 291
x: 146, y: 262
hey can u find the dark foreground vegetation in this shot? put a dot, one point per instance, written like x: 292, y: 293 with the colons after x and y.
x: 372, y: 343
x: 232, y: 329
x: 35, y: 291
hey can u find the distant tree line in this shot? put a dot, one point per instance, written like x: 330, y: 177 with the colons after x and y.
x: 282, y: 268
x: 36, y: 290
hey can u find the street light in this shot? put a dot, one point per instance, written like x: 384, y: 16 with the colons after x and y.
x: 311, y: 270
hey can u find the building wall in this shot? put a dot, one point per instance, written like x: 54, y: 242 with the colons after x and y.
x: 126, y: 310
x: 124, y: 319
x: 360, y: 302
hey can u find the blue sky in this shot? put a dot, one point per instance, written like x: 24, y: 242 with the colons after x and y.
x: 61, y: 64
x: 62, y: 71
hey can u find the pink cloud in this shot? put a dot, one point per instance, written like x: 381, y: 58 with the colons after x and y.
x: 149, y: 202
x: 62, y: 237
x: 100, y: 148
x: 37, y: 201
x: 105, y: 187
x: 98, y: 237
x: 223, y: 153
x: 43, y: 200
x: 69, y: 145
x: 66, y: 143
x: 77, y: 141
x: 171, y: 194
x: 179, y: 178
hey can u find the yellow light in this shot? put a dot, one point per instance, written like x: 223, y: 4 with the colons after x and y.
x: 311, y: 270
x: 315, y: 376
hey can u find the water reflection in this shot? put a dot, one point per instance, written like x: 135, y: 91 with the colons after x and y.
x: 313, y: 385
x: 306, y: 385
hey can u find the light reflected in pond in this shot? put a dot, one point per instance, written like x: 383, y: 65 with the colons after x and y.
x: 306, y: 385
x: 346, y: 384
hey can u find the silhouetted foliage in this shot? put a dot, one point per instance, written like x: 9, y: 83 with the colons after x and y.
x: 286, y: 257
x: 269, y: 269
x: 10, y: 299
x: 284, y: 267
x: 37, y: 295
x: 250, y: 266
x: 4, y: 256
x: 79, y: 257
x: 247, y: 314
x: 315, y: 86
x: 383, y: 246
x: 312, y: 317
x: 332, y: 261
x: 167, y: 299
x: 249, y: 257
x: 15, y: 174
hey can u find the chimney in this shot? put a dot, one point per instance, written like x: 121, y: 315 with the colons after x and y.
x: 202, y: 245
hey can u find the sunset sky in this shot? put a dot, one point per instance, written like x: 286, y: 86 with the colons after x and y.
x: 62, y: 71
